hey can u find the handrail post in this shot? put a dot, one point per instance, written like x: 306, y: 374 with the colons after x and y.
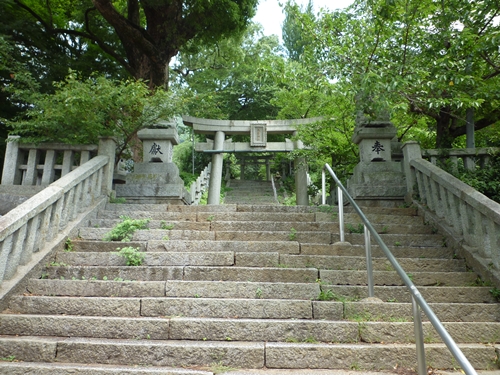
x: 341, y: 214
x: 419, y: 337
x: 369, y: 266
x: 323, y: 187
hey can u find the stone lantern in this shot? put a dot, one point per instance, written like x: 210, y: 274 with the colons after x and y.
x: 156, y: 179
x: 378, y: 176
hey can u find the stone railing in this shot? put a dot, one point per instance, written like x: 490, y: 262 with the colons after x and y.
x: 473, y: 218
x: 200, y: 185
x: 470, y: 158
x: 42, y: 164
x: 31, y: 230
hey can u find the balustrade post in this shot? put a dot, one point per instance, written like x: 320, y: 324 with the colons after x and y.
x: 107, y: 147
x: 411, y: 151
x: 11, y: 174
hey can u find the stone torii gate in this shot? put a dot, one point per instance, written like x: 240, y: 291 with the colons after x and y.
x: 258, y: 131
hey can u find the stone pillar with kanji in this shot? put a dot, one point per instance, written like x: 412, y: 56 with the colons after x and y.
x: 156, y: 179
x: 379, y: 176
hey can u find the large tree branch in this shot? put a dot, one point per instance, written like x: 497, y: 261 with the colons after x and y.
x: 130, y: 34
x: 491, y: 119
x: 49, y: 28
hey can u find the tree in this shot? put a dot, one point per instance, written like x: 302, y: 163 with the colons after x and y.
x: 80, y: 111
x: 141, y: 36
x: 234, y: 79
x: 423, y: 58
x: 294, y: 37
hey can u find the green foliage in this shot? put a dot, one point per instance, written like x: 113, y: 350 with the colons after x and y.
x: 292, y: 236
x: 294, y: 37
x: 83, y: 34
x: 68, y: 245
x: 9, y: 358
x: 235, y: 79
x: 81, y: 111
x: 424, y: 62
x: 166, y: 226
x: 133, y: 256
x: 486, y: 179
x: 326, y: 295
x: 125, y: 230
x: 360, y: 228
x: 495, y: 292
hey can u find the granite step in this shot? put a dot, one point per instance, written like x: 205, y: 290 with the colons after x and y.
x: 432, y: 294
x: 286, y: 247
x: 262, y: 259
x: 347, y: 249
x: 347, y: 277
x: 167, y: 307
x: 163, y: 273
x: 236, y: 354
x: 228, y: 329
x: 32, y: 368
x: 229, y: 225
x: 45, y: 368
x: 174, y: 288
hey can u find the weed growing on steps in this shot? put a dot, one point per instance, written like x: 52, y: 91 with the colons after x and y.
x: 125, y: 230
x: 219, y: 368
x: 117, y: 200
x: 9, y: 358
x: 292, y: 236
x: 495, y: 292
x: 68, y: 245
x: 166, y: 226
x: 132, y: 255
x: 352, y: 229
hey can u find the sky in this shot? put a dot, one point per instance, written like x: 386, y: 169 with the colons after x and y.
x: 270, y: 15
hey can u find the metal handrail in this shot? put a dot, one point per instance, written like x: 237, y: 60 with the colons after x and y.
x: 418, y: 302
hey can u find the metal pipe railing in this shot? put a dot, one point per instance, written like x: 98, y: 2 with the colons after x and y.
x: 418, y: 301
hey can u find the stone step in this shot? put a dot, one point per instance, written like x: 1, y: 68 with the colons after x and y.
x: 127, y: 208
x: 217, y: 329
x: 347, y: 249
x: 217, y: 225
x: 287, y: 247
x: 432, y: 294
x: 256, y: 308
x: 237, y: 354
x: 133, y: 352
x: 269, y: 259
x: 410, y: 240
x: 200, y: 216
x: 367, y: 310
x: 174, y: 288
x: 161, y: 307
x: 346, y: 277
x: 41, y: 368
x: 264, y: 274
x: 334, y: 262
x: 220, y: 258
x: 162, y: 273
x: 32, y: 368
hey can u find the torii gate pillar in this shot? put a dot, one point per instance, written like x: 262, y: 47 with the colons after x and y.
x: 216, y: 173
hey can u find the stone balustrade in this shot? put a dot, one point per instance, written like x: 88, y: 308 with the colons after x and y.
x: 199, y: 186
x: 470, y: 158
x: 29, y: 231
x: 469, y: 214
x: 42, y: 164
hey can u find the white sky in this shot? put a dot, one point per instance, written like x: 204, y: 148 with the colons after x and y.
x: 270, y: 15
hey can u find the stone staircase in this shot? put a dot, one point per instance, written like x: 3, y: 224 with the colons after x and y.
x: 250, y: 192
x: 233, y: 288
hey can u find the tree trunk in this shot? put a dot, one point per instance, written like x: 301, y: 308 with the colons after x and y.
x: 444, y: 138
